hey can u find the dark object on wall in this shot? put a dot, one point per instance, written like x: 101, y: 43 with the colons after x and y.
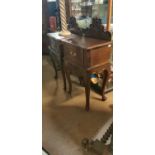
x: 73, y: 26
x: 96, y: 29
x: 53, y: 10
x: 52, y: 23
x: 105, y: 2
x: 44, y: 27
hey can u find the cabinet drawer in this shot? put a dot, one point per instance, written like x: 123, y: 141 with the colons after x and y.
x: 73, y: 54
x: 100, y: 55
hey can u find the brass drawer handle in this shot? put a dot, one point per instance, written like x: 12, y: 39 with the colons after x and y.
x: 109, y: 45
x: 73, y: 53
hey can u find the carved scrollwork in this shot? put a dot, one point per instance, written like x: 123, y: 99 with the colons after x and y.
x: 73, y: 26
x: 95, y: 30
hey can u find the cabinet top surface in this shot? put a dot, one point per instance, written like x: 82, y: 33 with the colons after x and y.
x: 79, y: 41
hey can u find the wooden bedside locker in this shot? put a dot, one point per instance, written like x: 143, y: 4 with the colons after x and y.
x: 83, y: 56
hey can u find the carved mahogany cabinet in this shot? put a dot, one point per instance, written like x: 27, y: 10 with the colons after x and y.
x: 82, y: 56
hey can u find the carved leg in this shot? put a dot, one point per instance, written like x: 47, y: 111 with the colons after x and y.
x: 105, y: 78
x: 64, y: 77
x: 56, y: 74
x: 81, y: 81
x: 87, y: 91
x: 62, y: 65
x: 69, y: 81
x: 55, y: 69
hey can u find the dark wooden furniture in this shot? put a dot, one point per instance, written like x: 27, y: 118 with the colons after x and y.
x: 82, y: 56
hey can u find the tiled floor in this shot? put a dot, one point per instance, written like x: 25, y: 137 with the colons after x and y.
x: 65, y: 122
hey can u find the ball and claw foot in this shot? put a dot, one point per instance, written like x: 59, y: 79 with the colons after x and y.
x: 104, y: 98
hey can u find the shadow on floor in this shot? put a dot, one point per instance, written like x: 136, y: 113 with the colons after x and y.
x: 64, y: 121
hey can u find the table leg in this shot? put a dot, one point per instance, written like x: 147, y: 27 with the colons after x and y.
x: 87, y: 91
x: 55, y: 68
x: 64, y: 77
x: 69, y: 81
x: 105, y: 78
x: 62, y: 65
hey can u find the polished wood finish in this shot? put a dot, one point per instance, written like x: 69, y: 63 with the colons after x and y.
x: 82, y: 56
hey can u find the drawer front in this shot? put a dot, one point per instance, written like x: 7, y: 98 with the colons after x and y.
x: 73, y: 54
x: 100, y: 55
